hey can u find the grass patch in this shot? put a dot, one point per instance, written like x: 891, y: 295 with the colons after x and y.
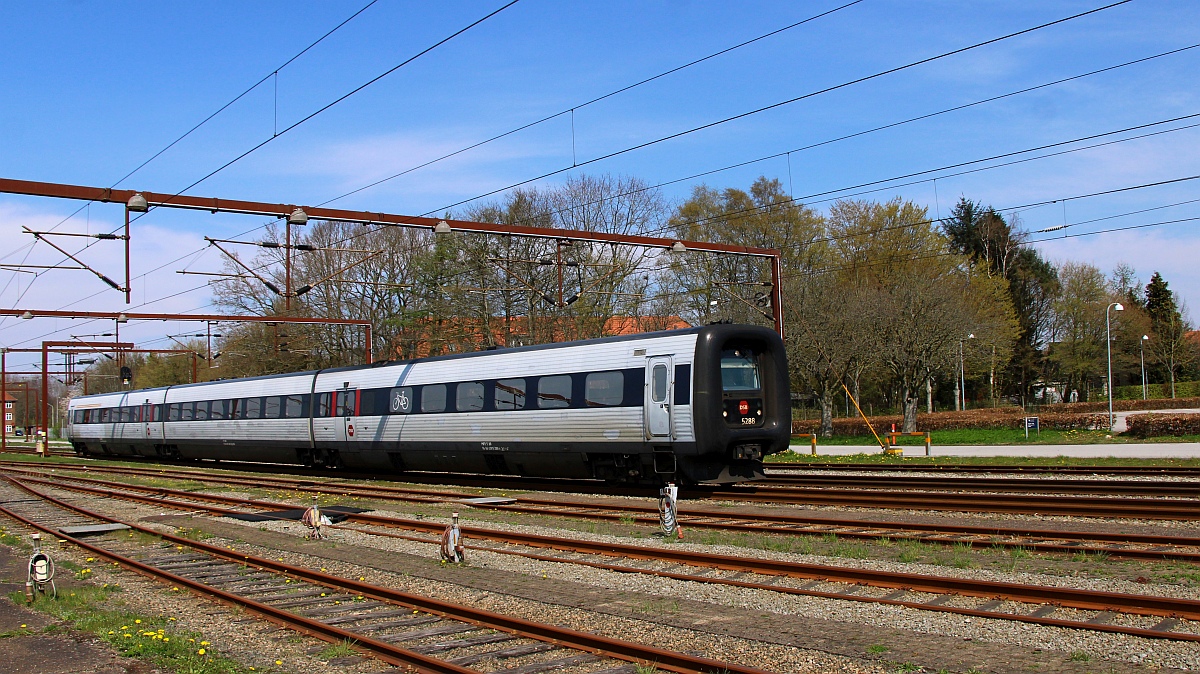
x: 91, y: 609
x: 341, y: 649
x: 876, y: 649
x: 995, y: 436
x: 1080, y: 656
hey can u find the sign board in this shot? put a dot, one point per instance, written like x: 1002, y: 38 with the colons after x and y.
x: 1034, y: 424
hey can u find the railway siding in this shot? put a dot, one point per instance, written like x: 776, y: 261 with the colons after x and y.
x: 829, y: 636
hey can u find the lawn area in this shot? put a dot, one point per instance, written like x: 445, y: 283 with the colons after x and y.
x: 882, y: 459
x: 1000, y: 436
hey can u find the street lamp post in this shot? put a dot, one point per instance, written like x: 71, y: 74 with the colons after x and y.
x: 962, y: 372
x: 1142, y: 350
x: 1108, y: 342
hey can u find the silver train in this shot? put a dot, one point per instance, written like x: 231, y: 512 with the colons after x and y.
x: 699, y: 405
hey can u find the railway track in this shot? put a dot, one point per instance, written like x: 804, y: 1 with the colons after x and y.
x: 417, y: 633
x: 1113, y: 507
x: 1026, y: 485
x: 1133, y: 614
x: 1111, y: 544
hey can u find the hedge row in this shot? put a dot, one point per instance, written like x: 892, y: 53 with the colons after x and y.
x: 1157, y: 425
x: 991, y: 418
x: 1126, y: 405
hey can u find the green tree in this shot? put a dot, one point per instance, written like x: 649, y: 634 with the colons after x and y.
x: 1169, y: 345
x: 922, y: 297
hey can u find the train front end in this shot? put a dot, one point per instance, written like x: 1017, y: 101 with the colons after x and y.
x: 742, y: 407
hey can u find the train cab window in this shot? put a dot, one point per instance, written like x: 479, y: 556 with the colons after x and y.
x: 469, y: 397
x: 510, y: 394
x: 400, y: 400
x: 604, y: 389
x: 252, y: 408
x: 293, y: 406
x: 739, y: 370
x: 218, y: 410
x: 433, y: 398
x: 271, y: 407
x: 554, y: 392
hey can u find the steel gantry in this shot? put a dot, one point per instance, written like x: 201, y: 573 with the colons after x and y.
x: 292, y: 214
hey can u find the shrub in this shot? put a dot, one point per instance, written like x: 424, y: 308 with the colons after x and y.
x: 990, y: 418
x: 1153, y: 425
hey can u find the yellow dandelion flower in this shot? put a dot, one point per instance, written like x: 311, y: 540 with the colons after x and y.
x: 204, y: 643
x: 166, y: 638
x: 91, y: 559
x: 201, y: 651
x: 23, y: 625
x: 279, y: 662
x: 137, y: 622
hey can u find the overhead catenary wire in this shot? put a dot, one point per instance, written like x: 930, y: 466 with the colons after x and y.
x: 578, y: 106
x: 857, y: 134
x: 201, y: 123
x: 1106, y: 69
x: 335, y: 102
x: 779, y: 104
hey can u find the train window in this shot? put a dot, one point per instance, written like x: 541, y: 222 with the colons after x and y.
x: 106, y: 415
x: 400, y: 400
x: 158, y: 413
x: 604, y: 389
x: 433, y: 398
x: 123, y: 415
x: 201, y: 411
x: 293, y: 407
x: 343, y: 405
x: 658, y: 381
x: 173, y: 412
x: 322, y: 405
x: 739, y: 370
x: 235, y: 408
x: 252, y: 408
x: 187, y: 411
x: 554, y: 392
x: 510, y: 394
x: 469, y: 397
x: 271, y: 407
x: 218, y: 410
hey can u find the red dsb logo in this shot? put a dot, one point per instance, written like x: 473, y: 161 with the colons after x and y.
x: 743, y: 407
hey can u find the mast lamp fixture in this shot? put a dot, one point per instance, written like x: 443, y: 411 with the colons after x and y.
x: 122, y: 318
x: 678, y: 247
x: 298, y: 217
x: 137, y: 204
x: 27, y: 315
x: 442, y: 227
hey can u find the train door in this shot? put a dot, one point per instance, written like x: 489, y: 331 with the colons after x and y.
x: 346, y: 407
x: 660, y: 385
x: 152, y: 430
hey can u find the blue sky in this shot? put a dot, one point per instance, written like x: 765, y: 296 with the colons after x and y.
x: 91, y: 94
